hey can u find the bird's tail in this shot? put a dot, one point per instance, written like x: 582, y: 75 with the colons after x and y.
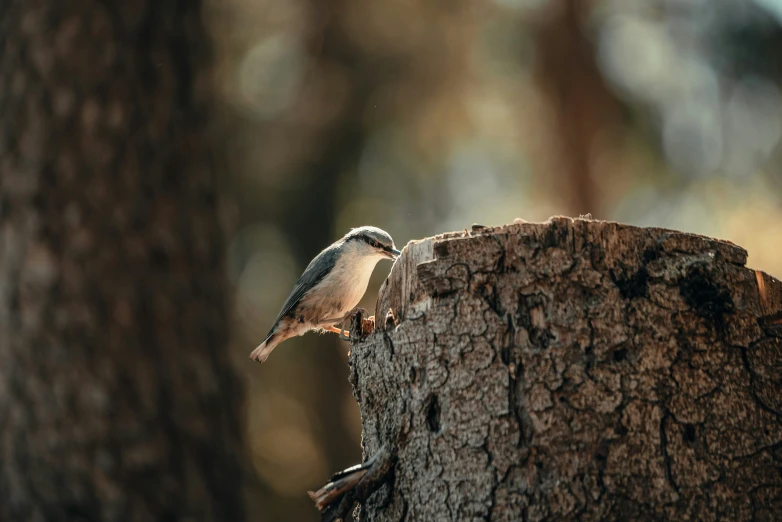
x: 261, y: 353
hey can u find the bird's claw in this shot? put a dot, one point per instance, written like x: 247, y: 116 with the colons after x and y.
x: 344, y: 334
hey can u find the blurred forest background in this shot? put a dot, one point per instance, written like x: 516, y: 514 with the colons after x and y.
x: 418, y: 117
x: 425, y: 117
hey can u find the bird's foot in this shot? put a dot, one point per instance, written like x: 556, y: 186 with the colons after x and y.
x: 344, y: 334
x: 336, y: 499
x: 339, y: 331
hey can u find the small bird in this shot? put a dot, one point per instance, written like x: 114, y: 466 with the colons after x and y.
x: 330, y: 287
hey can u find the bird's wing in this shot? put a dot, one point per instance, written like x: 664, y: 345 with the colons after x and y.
x: 313, y: 274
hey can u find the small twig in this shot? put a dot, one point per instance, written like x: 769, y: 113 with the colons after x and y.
x: 336, y: 499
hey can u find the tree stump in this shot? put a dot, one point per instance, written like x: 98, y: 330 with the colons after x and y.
x: 574, y: 369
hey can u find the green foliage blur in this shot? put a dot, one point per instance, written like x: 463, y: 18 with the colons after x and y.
x: 424, y: 117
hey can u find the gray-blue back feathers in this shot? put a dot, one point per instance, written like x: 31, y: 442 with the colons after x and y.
x: 318, y: 268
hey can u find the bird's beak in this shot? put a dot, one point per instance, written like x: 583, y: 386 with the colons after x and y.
x: 394, y: 253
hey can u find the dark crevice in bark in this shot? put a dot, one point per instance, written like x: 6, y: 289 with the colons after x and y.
x: 705, y: 296
x: 753, y: 383
x: 433, y: 414
x: 664, y: 450
x: 633, y: 286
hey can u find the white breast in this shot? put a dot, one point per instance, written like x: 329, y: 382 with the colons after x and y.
x: 341, y: 290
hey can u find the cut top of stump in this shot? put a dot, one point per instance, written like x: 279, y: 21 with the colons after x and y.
x: 429, y: 268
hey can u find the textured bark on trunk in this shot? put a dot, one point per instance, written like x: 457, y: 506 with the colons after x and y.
x: 574, y: 369
x: 117, y: 401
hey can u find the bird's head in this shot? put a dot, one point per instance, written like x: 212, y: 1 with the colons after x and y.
x: 372, y: 242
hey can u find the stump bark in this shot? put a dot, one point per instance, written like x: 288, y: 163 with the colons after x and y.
x: 574, y: 369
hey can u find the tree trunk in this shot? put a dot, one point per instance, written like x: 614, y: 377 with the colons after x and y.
x: 117, y: 401
x: 574, y: 370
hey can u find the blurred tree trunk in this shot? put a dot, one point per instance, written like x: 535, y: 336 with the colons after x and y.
x: 584, y: 107
x: 117, y: 401
x: 575, y: 370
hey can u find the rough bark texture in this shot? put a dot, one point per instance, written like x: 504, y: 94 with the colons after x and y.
x: 574, y: 370
x: 117, y: 401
